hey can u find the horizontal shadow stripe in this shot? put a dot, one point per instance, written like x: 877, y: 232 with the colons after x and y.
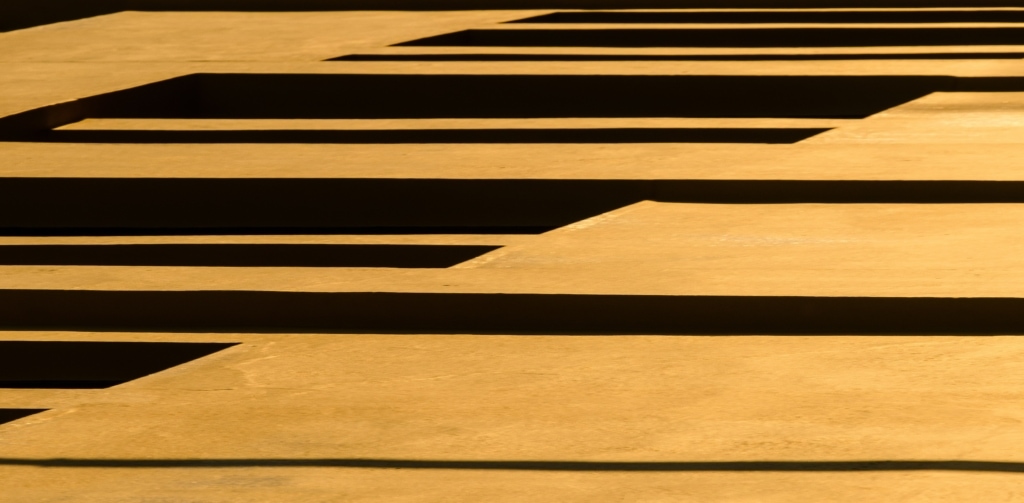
x: 411, y: 96
x: 72, y: 384
x: 243, y: 255
x: 266, y: 231
x: 728, y: 37
x: 574, y: 466
x: 676, y: 57
x: 373, y: 312
x: 153, y: 206
x: 319, y: 205
x: 588, y: 135
x: 880, y: 16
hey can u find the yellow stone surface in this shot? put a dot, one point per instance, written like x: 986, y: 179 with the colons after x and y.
x: 366, y: 416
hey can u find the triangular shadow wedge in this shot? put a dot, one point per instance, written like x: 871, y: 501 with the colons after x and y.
x: 85, y: 365
x: 8, y: 415
x: 244, y: 255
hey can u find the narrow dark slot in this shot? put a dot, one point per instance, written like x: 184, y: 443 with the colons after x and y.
x: 878, y: 16
x: 59, y: 384
x: 243, y: 255
x: 406, y: 96
x: 82, y: 365
x: 269, y: 231
x: 8, y: 415
x: 140, y: 206
x: 676, y: 57
x: 727, y: 37
x: 588, y: 135
x: 484, y: 313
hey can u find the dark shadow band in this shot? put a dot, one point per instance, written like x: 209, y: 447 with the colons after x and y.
x: 483, y: 313
x: 392, y: 136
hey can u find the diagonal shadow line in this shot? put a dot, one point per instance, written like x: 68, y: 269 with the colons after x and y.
x: 582, y: 466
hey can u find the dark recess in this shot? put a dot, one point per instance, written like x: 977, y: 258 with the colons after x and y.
x: 8, y: 415
x: 727, y: 37
x: 276, y: 5
x: 370, y: 136
x: 382, y: 96
x: 879, y: 16
x: 537, y: 96
x: 507, y: 313
x: 267, y: 230
x: 244, y: 255
x: 59, y: 364
x: 115, y: 206
x: 153, y: 206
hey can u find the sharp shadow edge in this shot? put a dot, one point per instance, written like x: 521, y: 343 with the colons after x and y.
x: 580, y: 466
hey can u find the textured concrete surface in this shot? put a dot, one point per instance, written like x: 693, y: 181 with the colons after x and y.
x: 916, y: 207
x: 290, y: 414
